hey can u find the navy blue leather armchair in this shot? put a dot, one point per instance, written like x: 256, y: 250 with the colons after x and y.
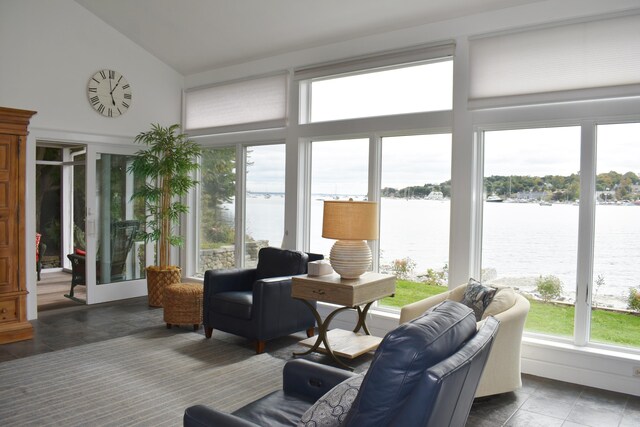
x: 424, y: 373
x: 256, y: 303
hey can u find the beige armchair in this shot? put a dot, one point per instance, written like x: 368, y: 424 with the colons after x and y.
x: 502, y: 371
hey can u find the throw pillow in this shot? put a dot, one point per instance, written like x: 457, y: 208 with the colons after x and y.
x: 332, y: 408
x: 477, y: 297
x: 502, y: 301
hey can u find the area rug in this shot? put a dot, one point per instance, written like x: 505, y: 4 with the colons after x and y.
x: 147, y: 379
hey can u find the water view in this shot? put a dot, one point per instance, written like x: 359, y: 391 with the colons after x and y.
x: 521, y: 240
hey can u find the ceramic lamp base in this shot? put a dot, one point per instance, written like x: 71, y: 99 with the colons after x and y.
x: 350, y: 258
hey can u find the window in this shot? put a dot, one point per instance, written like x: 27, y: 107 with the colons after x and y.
x: 617, y: 236
x: 264, y: 219
x: 409, y: 89
x: 414, y: 214
x: 530, y: 220
x: 259, y: 211
x: 339, y: 170
x: 217, y: 209
x: 121, y: 255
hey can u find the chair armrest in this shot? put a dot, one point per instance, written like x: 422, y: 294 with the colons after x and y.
x: 80, y: 258
x: 415, y: 309
x: 271, y: 288
x: 201, y: 416
x: 311, y: 380
x: 216, y: 281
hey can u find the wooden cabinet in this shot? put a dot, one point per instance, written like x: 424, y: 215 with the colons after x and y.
x: 14, y: 325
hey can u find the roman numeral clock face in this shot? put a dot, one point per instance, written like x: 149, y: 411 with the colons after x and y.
x: 109, y: 93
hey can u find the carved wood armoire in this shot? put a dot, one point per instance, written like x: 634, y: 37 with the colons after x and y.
x: 14, y: 325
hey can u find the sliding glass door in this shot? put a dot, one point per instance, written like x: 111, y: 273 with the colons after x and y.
x: 115, y: 255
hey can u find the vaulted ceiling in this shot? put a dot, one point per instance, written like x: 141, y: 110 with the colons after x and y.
x: 197, y: 35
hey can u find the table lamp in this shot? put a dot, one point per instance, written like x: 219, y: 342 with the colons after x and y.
x: 350, y: 223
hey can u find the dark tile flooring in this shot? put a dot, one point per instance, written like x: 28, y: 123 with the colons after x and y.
x: 540, y: 402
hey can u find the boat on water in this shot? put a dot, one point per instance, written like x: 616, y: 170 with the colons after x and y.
x: 494, y: 199
x: 435, y: 195
x: 545, y: 203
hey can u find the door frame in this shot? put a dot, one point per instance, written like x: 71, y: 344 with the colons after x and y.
x: 94, y: 143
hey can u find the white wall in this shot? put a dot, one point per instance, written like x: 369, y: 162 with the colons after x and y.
x: 48, y: 51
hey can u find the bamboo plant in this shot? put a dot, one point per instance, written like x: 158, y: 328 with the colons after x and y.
x: 167, y: 166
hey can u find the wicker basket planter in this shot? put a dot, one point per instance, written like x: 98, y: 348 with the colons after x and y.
x: 159, y: 278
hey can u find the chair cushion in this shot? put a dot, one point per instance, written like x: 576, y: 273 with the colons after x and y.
x: 404, y: 355
x: 274, y: 410
x: 332, y: 408
x: 275, y: 262
x: 502, y: 301
x: 477, y: 297
x: 235, y: 304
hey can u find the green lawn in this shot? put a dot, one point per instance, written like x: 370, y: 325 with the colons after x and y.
x: 548, y: 318
x: 407, y: 292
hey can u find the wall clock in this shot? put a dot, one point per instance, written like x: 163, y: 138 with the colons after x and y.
x: 109, y: 93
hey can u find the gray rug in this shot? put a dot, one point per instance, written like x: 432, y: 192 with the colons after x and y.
x: 147, y: 379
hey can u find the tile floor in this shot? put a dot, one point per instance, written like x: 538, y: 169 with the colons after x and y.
x: 540, y: 402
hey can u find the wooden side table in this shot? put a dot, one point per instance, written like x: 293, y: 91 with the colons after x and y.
x: 356, y: 294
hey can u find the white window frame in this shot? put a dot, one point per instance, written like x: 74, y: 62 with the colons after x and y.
x: 588, y: 116
x: 241, y: 145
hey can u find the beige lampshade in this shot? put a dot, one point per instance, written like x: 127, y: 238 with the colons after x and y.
x: 350, y: 220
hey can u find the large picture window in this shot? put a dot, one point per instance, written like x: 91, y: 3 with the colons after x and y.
x: 339, y: 170
x: 264, y: 200
x: 530, y: 220
x: 383, y: 92
x: 259, y: 210
x: 414, y: 215
x: 616, y: 287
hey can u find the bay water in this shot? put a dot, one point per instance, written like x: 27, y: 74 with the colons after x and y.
x: 521, y: 241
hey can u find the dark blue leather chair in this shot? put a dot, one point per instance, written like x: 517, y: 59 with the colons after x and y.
x: 256, y: 303
x: 424, y: 373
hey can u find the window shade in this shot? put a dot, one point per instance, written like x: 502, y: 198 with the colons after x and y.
x: 386, y: 59
x: 243, y: 105
x: 589, y: 55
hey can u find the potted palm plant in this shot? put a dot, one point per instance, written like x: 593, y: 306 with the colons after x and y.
x: 166, y: 165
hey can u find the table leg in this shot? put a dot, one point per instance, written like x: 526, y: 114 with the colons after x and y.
x: 323, y: 328
x: 362, y: 319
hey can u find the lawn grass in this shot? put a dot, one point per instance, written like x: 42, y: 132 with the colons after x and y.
x: 408, y: 292
x: 610, y: 327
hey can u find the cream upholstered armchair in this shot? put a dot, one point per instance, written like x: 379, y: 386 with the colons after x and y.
x: 502, y: 372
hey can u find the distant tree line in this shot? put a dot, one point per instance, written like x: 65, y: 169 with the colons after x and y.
x: 418, y: 191
x: 555, y: 187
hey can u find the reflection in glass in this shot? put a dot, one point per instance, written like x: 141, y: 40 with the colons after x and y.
x: 120, y: 255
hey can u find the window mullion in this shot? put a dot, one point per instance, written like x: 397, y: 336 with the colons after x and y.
x: 375, y: 179
x: 240, y: 216
x: 586, y: 230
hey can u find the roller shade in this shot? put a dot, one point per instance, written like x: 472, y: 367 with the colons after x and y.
x: 243, y: 105
x: 560, y: 61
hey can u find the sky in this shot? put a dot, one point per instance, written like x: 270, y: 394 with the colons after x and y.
x: 340, y: 167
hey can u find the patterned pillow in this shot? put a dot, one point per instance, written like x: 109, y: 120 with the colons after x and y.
x: 332, y: 408
x: 477, y: 297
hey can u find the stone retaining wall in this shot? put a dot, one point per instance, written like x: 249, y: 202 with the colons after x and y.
x: 224, y: 257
